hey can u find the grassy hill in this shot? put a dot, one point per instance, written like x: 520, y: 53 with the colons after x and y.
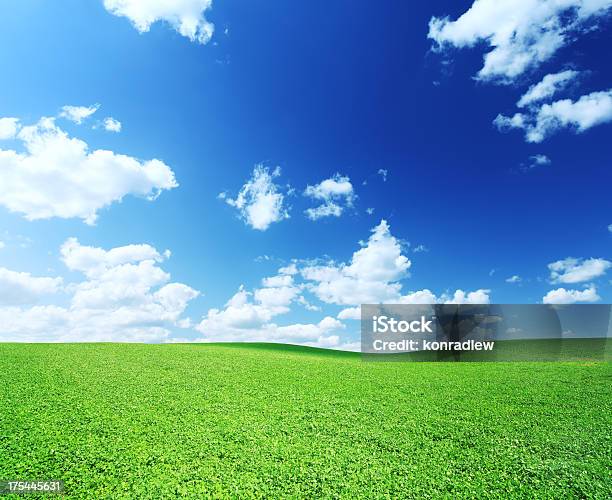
x: 133, y: 420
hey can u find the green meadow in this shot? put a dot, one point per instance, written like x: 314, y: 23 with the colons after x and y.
x: 253, y: 420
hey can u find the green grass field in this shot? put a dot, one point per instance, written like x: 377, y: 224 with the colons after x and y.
x: 153, y: 421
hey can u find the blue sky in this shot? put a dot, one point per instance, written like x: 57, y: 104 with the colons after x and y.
x: 338, y: 91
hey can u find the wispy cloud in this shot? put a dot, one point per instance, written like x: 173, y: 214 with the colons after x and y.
x: 335, y: 193
x: 522, y: 34
x: 78, y: 114
x: 580, y: 115
x: 571, y: 270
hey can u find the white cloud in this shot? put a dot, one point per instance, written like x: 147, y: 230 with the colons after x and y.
x: 480, y: 296
x: 426, y: 297
x: 539, y: 161
x: 307, y: 305
x: 259, y: 202
x: 610, y: 228
x: 291, y: 269
x: 247, y: 317
x: 336, y: 193
x: 23, y: 288
x: 383, y: 172
x: 321, y: 334
x: 57, y: 176
x: 185, y: 16
x: 588, y: 111
x: 77, y: 114
x: 336, y: 186
x: 563, y: 296
x: 549, y: 86
x: 2, y: 244
x: 514, y: 279
x: 125, y: 296
x: 572, y: 270
x: 420, y: 297
x: 112, y: 125
x: 329, y: 209
x: 9, y: 128
x: 276, y: 298
x: 373, y: 276
x: 93, y: 261
x: 370, y: 277
x: 281, y: 280
x: 522, y: 34
x: 460, y: 297
x: 239, y: 312
x: 505, y: 123
x: 350, y: 313
x: 370, y: 211
x: 253, y: 310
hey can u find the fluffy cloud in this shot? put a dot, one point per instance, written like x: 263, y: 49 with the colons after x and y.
x: 521, y: 33
x: 426, y: 297
x: 185, y: 16
x: 335, y: 193
x: 57, y: 176
x: 23, y: 288
x: 239, y: 313
x: 563, y: 296
x: 572, y: 270
x: 247, y: 317
x: 460, y: 297
x: 112, y: 125
x: 92, y: 261
x: 124, y: 297
x: 588, y: 111
x: 291, y: 269
x: 252, y: 310
x: 321, y: 334
x: 371, y: 276
x: 549, y: 86
x: 77, y: 114
x: 350, y: 313
x: 8, y: 128
x: 260, y: 202
x: 514, y: 279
